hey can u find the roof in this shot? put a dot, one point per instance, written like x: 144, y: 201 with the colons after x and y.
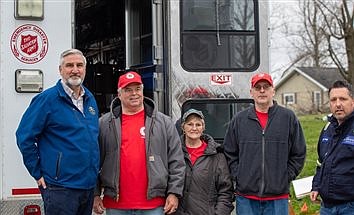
x: 322, y: 77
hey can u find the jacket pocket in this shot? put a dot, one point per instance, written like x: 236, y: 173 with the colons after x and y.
x: 57, y: 165
x: 158, y: 174
x: 341, y: 187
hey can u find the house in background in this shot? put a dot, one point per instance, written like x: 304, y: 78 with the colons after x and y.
x: 305, y: 89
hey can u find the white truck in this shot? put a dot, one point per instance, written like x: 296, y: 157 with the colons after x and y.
x: 190, y: 54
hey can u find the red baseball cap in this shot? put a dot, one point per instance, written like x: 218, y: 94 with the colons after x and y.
x: 261, y: 77
x: 128, y: 78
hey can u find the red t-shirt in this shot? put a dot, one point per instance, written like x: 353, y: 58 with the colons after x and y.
x: 195, y: 153
x: 133, y: 173
x: 263, y: 118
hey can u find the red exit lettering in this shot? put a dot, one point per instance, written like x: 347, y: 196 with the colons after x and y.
x: 221, y: 79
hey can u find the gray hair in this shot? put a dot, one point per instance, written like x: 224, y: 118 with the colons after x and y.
x: 70, y: 52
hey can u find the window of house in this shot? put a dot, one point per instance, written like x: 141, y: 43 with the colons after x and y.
x: 317, y: 101
x: 289, y: 98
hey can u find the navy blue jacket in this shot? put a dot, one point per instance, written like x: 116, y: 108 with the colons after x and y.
x: 58, y: 142
x: 334, y: 178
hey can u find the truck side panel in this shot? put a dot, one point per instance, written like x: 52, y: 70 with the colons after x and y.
x: 25, y: 45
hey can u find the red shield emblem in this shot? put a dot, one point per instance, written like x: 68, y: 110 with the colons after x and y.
x: 29, y: 44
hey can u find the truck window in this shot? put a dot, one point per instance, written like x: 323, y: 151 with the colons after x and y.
x: 219, y: 35
x: 217, y: 113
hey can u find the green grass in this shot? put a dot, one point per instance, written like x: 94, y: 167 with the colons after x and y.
x: 311, y: 125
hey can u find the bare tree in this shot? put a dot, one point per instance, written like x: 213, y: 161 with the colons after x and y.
x: 308, y: 37
x: 339, y: 20
x: 325, y: 36
x: 279, y: 36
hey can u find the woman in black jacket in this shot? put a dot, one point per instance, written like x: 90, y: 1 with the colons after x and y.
x: 208, y: 187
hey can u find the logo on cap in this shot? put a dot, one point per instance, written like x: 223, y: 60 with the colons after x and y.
x: 261, y: 77
x: 128, y: 78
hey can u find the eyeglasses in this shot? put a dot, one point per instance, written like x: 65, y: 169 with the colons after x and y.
x: 259, y: 87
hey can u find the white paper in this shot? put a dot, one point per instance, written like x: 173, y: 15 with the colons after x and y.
x: 302, y: 186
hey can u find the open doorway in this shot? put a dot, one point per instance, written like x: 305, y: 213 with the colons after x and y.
x: 100, y: 34
x: 115, y: 36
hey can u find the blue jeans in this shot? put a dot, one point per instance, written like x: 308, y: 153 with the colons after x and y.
x: 155, y: 211
x: 65, y: 201
x: 342, y: 209
x: 246, y: 206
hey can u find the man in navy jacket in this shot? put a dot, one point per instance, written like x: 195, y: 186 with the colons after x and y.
x: 334, y: 178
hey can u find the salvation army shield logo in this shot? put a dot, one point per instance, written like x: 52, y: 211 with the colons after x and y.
x: 29, y: 43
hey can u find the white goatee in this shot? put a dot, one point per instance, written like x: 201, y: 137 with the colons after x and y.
x: 74, y: 81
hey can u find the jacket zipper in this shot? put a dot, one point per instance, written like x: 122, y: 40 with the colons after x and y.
x: 147, y: 152
x: 58, y: 166
x: 261, y: 191
x: 115, y: 176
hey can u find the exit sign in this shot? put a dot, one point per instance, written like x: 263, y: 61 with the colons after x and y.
x: 221, y: 79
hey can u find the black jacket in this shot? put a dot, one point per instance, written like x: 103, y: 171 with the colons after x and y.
x: 334, y: 178
x: 208, y: 186
x: 263, y: 162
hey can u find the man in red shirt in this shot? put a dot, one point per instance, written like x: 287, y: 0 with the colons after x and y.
x: 266, y: 149
x: 142, y: 165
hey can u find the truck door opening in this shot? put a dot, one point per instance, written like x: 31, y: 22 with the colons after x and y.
x: 101, y: 29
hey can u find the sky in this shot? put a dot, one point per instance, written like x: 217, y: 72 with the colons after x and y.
x: 280, y: 51
x: 280, y: 48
